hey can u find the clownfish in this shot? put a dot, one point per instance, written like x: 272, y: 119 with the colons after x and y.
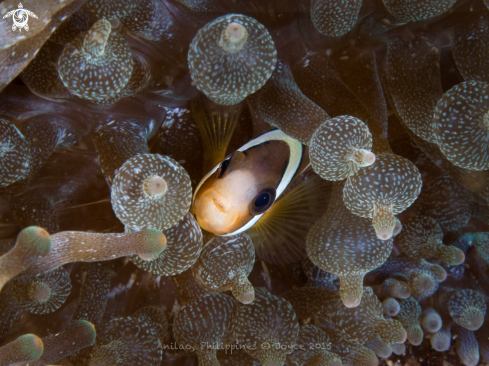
x: 236, y: 193
x: 257, y: 189
x: 260, y: 188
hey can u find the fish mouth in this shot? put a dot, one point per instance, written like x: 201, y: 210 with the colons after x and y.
x: 214, y: 213
x: 221, y: 204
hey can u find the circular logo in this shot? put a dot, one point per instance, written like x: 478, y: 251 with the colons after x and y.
x: 20, y: 18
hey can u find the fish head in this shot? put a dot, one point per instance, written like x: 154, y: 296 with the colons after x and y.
x: 240, y: 189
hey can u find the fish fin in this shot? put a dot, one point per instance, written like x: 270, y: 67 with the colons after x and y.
x: 216, y: 124
x: 280, y: 234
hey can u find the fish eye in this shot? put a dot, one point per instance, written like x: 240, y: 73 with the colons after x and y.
x: 263, y: 201
x: 223, y: 166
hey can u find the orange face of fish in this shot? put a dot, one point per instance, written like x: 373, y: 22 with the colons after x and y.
x: 243, y: 186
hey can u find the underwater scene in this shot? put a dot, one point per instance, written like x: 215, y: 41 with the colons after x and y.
x: 244, y: 182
